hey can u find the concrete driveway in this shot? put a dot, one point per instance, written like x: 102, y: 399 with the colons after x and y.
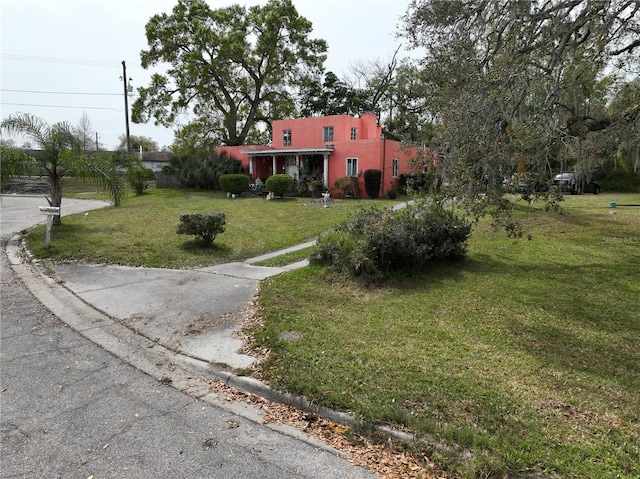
x: 20, y: 212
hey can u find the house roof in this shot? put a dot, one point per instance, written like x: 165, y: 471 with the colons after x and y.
x: 289, y: 151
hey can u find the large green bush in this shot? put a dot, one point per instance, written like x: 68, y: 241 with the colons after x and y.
x: 234, y: 183
x: 617, y: 180
x: 204, y: 172
x: 279, y: 184
x: 372, y: 180
x: 138, y: 177
x: 376, y: 242
x: 205, y: 227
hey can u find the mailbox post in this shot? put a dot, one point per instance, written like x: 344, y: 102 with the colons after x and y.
x: 50, y: 211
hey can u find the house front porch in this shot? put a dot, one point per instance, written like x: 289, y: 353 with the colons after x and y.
x: 307, y: 166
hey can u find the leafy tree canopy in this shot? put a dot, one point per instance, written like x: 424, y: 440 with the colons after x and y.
x: 409, y: 118
x: 332, y: 96
x: 232, y: 67
x: 367, y: 91
x: 147, y: 144
x: 514, y: 86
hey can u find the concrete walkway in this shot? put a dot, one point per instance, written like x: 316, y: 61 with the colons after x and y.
x: 195, y: 312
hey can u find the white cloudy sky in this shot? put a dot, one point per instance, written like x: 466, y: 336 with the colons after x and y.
x: 53, y: 50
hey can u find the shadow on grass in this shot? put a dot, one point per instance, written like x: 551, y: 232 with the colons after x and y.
x: 589, y: 321
x: 578, y: 318
x: 200, y: 247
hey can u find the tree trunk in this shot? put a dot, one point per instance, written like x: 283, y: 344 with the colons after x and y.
x: 56, y: 196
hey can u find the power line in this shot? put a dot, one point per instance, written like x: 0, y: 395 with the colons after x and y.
x: 63, y: 106
x: 64, y: 61
x: 60, y: 92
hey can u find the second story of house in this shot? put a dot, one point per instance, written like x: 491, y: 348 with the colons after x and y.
x: 324, y: 130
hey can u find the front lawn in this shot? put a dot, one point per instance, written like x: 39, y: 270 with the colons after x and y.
x: 142, y: 232
x: 526, y: 354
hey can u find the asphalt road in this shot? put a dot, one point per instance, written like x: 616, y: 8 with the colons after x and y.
x: 70, y: 409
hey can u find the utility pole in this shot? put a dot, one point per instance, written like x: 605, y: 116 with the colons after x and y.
x: 126, y: 104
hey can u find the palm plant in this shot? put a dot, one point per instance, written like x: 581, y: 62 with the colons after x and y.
x: 61, y: 155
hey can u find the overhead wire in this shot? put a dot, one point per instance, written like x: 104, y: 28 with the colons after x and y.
x: 60, y: 92
x: 64, y: 61
x: 64, y: 106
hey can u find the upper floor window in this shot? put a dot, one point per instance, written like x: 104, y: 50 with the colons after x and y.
x: 286, y: 137
x: 354, y: 133
x: 394, y: 168
x: 327, y: 134
x: 352, y: 167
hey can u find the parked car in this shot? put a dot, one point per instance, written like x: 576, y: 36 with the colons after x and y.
x: 568, y: 182
x: 564, y: 181
x: 591, y: 187
x: 526, y: 185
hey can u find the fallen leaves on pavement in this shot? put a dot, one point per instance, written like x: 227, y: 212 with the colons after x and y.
x: 386, y: 460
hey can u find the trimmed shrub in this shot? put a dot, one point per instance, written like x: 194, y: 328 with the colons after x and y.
x: 372, y: 180
x: 349, y: 186
x: 279, y: 184
x: 376, y: 242
x: 234, y: 183
x: 137, y: 178
x: 203, y: 227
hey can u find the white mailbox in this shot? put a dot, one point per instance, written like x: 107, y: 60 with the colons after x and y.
x: 50, y: 210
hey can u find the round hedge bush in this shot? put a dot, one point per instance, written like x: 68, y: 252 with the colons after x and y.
x: 234, y: 183
x: 279, y: 184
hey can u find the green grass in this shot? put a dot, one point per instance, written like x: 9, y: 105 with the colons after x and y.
x: 82, y: 188
x: 526, y: 353
x: 142, y: 232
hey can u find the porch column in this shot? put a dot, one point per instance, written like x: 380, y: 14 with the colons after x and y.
x: 297, y: 167
x: 275, y: 163
x: 251, y: 168
x: 325, y: 171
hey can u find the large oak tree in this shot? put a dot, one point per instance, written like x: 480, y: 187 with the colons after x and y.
x: 513, y: 86
x: 231, y: 68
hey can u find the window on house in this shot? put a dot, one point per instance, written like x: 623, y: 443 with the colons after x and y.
x: 352, y: 167
x: 354, y: 133
x: 394, y: 168
x: 286, y: 137
x: 327, y: 134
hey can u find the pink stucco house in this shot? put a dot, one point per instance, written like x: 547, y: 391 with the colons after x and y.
x: 325, y: 149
